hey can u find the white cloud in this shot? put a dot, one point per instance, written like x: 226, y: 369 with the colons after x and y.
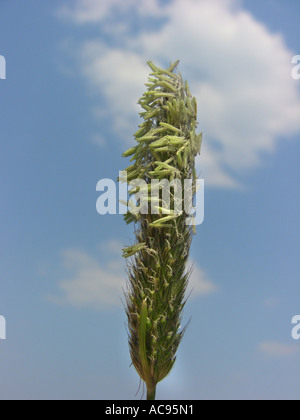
x: 118, y: 76
x: 199, y: 283
x: 95, y: 11
x: 89, y: 283
x: 113, y: 246
x: 99, y: 140
x: 276, y: 349
x: 91, y: 11
x: 271, y: 302
x: 239, y: 71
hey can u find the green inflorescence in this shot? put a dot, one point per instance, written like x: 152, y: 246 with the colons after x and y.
x: 166, y: 146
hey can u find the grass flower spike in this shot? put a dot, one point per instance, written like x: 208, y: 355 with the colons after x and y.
x: 163, y: 157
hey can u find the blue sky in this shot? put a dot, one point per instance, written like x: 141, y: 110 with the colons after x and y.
x: 75, y: 70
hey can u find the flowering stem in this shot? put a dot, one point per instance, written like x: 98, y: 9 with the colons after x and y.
x: 151, y: 390
x: 165, y: 153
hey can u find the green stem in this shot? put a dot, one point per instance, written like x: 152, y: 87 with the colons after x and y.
x: 151, y: 390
